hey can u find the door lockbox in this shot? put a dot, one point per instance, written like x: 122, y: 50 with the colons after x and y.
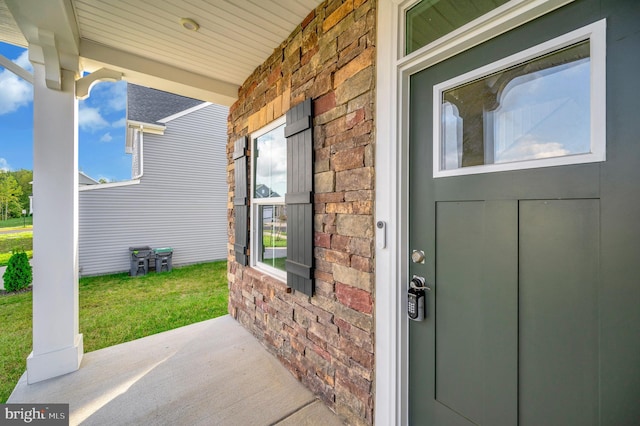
x: 417, y: 299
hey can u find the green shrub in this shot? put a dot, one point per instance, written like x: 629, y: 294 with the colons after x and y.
x: 18, y: 274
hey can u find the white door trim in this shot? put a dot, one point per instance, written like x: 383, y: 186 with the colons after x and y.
x: 392, y: 198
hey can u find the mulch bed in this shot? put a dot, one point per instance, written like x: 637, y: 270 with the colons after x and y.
x: 8, y: 293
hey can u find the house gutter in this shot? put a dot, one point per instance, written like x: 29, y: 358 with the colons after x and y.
x: 138, y: 129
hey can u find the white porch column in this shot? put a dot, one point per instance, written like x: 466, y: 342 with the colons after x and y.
x: 57, y: 344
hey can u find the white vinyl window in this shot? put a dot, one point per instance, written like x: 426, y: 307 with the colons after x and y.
x: 542, y: 107
x: 268, y: 188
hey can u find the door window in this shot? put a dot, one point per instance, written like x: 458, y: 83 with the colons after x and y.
x: 523, y: 111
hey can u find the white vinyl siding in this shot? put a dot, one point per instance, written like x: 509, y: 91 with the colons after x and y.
x: 180, y: 202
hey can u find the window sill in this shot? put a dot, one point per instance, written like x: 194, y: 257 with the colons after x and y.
x: 274, y: 273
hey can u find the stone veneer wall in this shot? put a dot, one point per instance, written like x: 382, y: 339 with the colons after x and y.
x: 326, y: 340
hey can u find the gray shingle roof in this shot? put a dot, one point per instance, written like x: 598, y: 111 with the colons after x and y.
x: 150, y: 105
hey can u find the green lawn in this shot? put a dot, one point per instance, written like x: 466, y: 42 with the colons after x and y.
x: 277, y: 262
x: 116, y: 309
x: 15, y: 340
x: 18, y: 222
x: 15, y: 241
x: 269, y: 240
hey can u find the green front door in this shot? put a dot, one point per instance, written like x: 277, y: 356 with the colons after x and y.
x: 520, y: 263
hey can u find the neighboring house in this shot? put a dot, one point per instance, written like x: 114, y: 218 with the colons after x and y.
x: 486, y: 155
x: 263, y: 191
x: 84, y: 180
x: 177, y: 195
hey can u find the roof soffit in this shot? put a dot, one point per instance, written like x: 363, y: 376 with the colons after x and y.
x: 10, y: 32
x: 145, y: 42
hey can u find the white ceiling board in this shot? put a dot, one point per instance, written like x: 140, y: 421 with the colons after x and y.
x: 234, y: 38
x: 9, y: 31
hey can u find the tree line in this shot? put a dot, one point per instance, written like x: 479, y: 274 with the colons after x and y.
x: 15, y: 188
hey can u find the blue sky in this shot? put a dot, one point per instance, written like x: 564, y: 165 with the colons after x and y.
x: 101, y: 122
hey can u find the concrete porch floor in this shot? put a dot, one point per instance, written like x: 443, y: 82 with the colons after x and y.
x: 210, y: 373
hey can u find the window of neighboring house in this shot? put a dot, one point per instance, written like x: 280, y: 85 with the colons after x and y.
x: 269, y: 185
x: 539, y: 108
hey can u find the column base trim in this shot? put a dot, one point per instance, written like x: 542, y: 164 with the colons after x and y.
x: 53, y: 364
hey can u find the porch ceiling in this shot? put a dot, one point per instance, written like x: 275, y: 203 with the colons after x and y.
x: 145, y: 40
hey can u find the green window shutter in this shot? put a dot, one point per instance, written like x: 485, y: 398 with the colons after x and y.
x: 299, y: 197
x: 240, y: 207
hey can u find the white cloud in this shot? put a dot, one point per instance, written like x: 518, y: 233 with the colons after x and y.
x: 23, y: 61
x: 14, y: 91
x: 90, y: 119
x: 106, y: 137
x: 120, y: 123
x: 4, y: 166
x: 271, y: 168
x: 528, y: 148
x: 118, y: 99
x: 113, y: 96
